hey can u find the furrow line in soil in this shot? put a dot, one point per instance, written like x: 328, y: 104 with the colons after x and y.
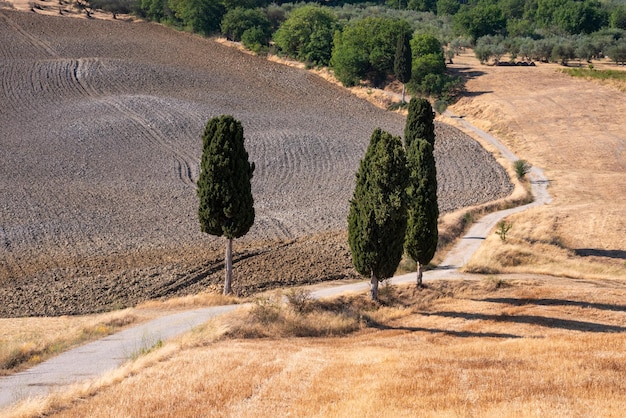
x: 182, y: 167
x: 33, y: 40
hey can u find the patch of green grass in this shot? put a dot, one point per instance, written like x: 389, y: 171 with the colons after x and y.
x: 596, y: 74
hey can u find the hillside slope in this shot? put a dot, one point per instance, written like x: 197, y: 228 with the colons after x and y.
x: 100, y: 131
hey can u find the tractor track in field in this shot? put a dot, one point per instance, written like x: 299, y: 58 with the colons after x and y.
x: 100, y: 130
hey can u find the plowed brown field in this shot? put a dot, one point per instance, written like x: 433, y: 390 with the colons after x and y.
x: 100, y: 125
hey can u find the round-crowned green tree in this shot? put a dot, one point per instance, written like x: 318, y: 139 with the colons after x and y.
x: 226, y: 206
x: 419, y: 122
x: 377, y: 216
x: 422, y: 209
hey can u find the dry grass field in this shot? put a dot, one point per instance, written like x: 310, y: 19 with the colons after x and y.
x: 574, y: 130
x: 100, y: 128
x: 523, y: 347
x: 102, y: 149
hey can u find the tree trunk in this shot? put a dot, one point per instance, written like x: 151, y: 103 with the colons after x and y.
x: 374, y: 287
x: 420, y: 270
x: 403, y: 90
x: 229, y: 267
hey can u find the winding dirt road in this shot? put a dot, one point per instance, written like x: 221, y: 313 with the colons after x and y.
x: 99, y: 129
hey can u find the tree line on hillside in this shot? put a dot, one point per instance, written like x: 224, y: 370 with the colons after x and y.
x: 393, y: 210
x: 358, y: 40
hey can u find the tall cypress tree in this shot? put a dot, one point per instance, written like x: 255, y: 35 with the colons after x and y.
x: 402, y: 62
x: 422, y: 211
x: 226, y: 206
x: 419, y: 122
x: 377, y: 217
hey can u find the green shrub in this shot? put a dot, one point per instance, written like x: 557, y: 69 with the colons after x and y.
x: 521, y: 168
x: 503, y: 228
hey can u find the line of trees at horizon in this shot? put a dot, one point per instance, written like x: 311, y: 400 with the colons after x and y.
x: 358, y: 40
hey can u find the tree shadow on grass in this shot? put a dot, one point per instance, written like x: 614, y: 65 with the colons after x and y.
x: 462, y: 334
x: 591, y: 252
x: 556, y: 302
x: 566, y: 324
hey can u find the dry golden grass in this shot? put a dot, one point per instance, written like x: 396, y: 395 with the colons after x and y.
x: 573, y: 129
x: 534, y: 247
x: 25, y: 342
x: 524, y: 347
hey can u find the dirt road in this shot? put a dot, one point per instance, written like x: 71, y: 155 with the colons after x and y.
x: 99, y: 126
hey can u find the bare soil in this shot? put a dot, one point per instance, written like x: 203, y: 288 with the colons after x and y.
x: 100, y: 125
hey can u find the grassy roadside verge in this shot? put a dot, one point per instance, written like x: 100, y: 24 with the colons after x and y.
x: 26, y: 342
x: 484, y: 341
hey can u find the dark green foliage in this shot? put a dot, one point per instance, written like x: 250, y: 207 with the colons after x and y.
x: 155, y: 10
x: 422, y: 210
x: 425, y: 44
x: 402, y: 61
x: 307, y: 34
x: 365, y: 50
x: 429, y: 66
x: 617, y: 18
x: 199, y: 16
x: 618, y: 52
x: 244, y: 4
x: 521, y: 168
x: 238, y: 20
x: 114, y: 6
x: 377, y: 217
x: 422, y: 5
x: 447, y: 7
x: 571, y: 16
x: 255, y: 39
x: 480, y: 20
x: 226, y: 206
x: 419, y: 122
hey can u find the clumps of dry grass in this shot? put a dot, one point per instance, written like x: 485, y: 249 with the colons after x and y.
x: 191, y: 301
x: 534, y: 246
x: 301, y: 316
x: 296, y: 314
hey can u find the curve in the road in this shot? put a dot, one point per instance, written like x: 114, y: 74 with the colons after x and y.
x: 96, y: 358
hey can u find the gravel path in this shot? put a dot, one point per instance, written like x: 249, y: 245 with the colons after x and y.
x: 99, y: 131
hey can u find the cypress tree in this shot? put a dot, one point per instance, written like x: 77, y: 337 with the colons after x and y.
x: 419, y: 122
x: 226, y: 206
x: 422, y: 210
x: 402, y: 62
x: 377, y: 216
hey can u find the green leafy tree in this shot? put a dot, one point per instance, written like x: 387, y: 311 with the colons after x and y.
x: 403, y: 61
x: 365, y: 50
x: 419, y: 122
x: 238, y: 20
x: 480, y: 20
x: 422, y: 210
x: 226, y: 206
x: 447, y: 7
x: 429, y: 66
x: 199, y: 16
x: 307, y: 34
x: 377, y: 216
x: 255, y: 39
x: 617, y: 18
